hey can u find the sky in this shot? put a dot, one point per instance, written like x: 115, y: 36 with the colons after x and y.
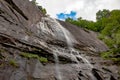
x: 62, y: 9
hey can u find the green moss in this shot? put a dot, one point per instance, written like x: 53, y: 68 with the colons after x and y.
x: 111, y: 55
x: 101, y: 37
x: 43, y: 59
x: 110, y: 42
x: 13, y: 63
x: 116, y: 59
x: 30, y: 55
x: 106, y: 55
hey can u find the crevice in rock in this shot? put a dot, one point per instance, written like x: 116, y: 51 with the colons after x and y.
x: 105, y: 69
x: 14, y: 6
x: 9, y: 41
x: 14, y: 13
x: 112, y: 78
x: 3, y: 12
x: 96, y: 74
x: 6, y: 19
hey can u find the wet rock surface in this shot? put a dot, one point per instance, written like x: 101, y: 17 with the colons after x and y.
x: 24, y: 29
x: 85, y: 38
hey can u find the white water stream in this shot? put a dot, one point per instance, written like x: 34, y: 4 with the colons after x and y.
x: 58, y: 73
x: 53, y: 27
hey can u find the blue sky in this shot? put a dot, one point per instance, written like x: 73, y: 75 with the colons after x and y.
x: 63, y: 16
x: 83, y: 8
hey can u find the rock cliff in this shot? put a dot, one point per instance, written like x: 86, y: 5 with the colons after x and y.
x: 29, y: 42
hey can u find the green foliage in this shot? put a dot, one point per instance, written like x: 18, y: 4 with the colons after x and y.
x: 13, y: 63
x: 108, y: 25
x: 34, y: 2
x: 101, y: 37
x: 106, y: 55
x: 111, y: 54
x: 117, y: 38
x: 43, y: 10
x: 43, y: 59
x: 111, y: 32
x: 109, y: 42
x: 35, y: 56
x: 102, y: 14
x: 83, y: 23
x: 28, y: 55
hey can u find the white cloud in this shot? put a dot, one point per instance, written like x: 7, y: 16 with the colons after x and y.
x: 84, y: 8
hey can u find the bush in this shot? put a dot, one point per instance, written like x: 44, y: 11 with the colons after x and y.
x: 112, y: 54
x: 108, y: 26
x: 101, y: 37
x: 106, y: 55
x: 110, y: 42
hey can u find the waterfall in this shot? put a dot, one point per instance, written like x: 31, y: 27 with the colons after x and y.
x: 51, y: 27
x: 84, y: 60
x: 70, y: 40
x: 58, y: 74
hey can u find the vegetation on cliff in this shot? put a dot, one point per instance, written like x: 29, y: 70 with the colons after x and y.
x: 35, y: 56
x: 40, y: 7
x: 108, y: 25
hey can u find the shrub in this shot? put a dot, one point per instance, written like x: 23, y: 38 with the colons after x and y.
x: 106, y: 55
x: 101, y: 37
x: 110, y: 42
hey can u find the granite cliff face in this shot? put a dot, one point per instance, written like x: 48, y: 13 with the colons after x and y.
x: 26, y: 35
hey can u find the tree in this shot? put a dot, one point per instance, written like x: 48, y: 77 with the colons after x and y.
x: 111, y: 32
x: 70, y: 20
x: 34, y: 2
x: 102, y: 14
x: 108, y: 26
x: 43, y: 10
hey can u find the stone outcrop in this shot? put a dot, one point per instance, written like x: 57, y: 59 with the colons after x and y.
x: 19, y: 34
x: 86, y: 37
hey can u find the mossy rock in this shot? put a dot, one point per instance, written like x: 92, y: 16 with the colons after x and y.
x: 13, y: 63
x: 35, y: 56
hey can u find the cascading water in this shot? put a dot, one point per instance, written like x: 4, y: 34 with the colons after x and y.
x: 84, y: 60
x: 70, y: 40
x: 51, y: 27
x: 58, y: 74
